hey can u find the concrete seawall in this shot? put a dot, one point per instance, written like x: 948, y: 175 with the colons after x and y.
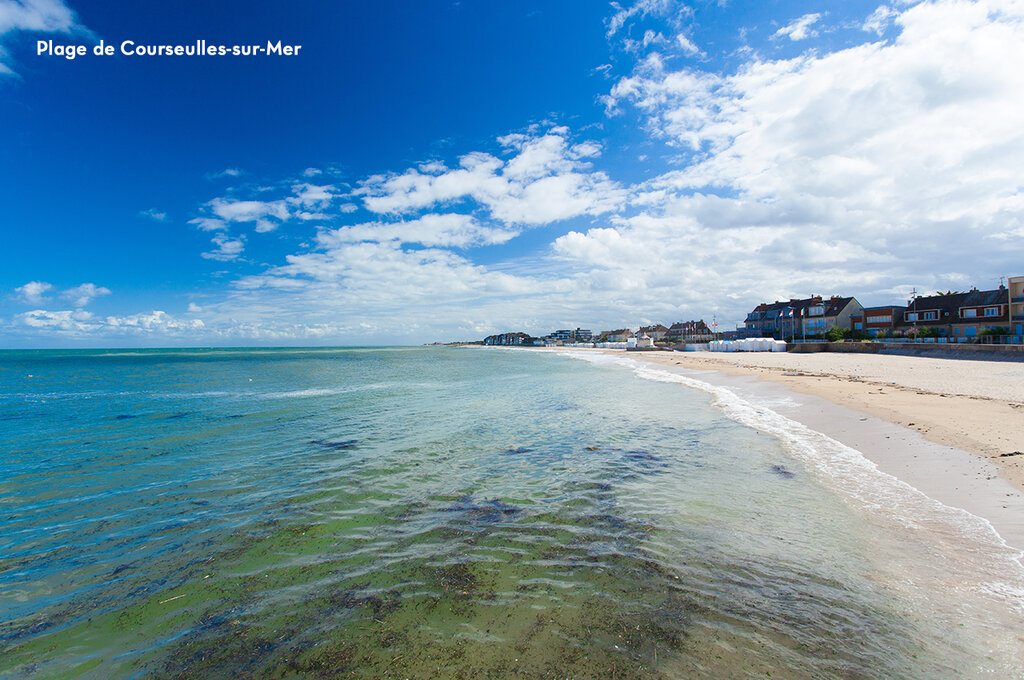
x: 949, y: 351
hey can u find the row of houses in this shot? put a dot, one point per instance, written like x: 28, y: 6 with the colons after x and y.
x: 681, y: 331
x: 957, y: 315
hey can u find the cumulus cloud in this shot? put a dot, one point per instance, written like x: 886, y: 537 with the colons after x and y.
x: 33, y: 292
x: 799, y: 29
x: 38, y: 16
x: 80, y: 323
x: 302, y: 202
x: 545, y: 181
x: 228, y: 248
x: 82, y: 295
x: 862, y: 169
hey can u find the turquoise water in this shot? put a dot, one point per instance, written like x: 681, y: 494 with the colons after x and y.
x: 464, y: 513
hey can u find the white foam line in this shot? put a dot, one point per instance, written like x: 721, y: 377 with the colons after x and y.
x: 851, y: 473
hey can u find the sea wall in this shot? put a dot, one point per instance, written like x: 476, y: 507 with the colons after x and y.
x: 951, y: 351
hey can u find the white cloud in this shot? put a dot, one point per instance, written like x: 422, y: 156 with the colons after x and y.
x: 799, y: 29
x: 231, y: 210
x: 688, y: 46
x: 81, y: 324
x: 642, y: 9
x: 228, y: 248
x: 449, y: 230
x: 227, y: 172
x: 40, y: 16
x: 880, y: 19
x: 193, y: 308
x: 65, y: 320
x: 33, y: 292
x: 82, y: 295
x: 311, y: 196
x: 154, y: 214
x: 156, y: 321
x: 545, y: 181
x: 857, y: 170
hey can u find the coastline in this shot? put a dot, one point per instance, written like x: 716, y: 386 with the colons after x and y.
x: 938, y: 425
x: 975, y: 406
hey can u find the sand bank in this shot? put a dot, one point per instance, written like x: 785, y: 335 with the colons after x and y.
x: 914, y: 417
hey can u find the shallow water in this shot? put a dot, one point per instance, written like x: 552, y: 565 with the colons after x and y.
x: 431, y: 512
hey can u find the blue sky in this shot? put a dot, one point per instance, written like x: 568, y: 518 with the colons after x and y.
x: 428, y: 171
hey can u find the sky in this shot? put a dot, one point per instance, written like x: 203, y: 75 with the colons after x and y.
x: 441, y: 171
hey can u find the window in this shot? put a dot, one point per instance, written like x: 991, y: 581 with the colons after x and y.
x: 991, y: 311
x: 929, y: 316
x: 970, y: 313
x: 885, y: 318
x: 817, y: 310
x: 911, y: 316
x: 857, y: 325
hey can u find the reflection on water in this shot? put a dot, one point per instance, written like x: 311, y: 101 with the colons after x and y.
x: 428, y: 513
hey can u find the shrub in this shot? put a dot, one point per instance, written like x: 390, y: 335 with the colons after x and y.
x: 837, y: 334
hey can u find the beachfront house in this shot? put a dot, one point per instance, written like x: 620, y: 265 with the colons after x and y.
x: 655, y: 332
x: 620, y: 335
x: 834, y: 312
x: 688, y: 331
x: 958, y: 315
x: 804, y: 317
x: 1015, y: 298
x: 875, y: 321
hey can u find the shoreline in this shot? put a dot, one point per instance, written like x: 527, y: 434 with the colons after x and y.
x: 938, y: 425
x: 964, y: 404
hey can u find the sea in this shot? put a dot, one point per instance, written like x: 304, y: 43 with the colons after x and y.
x: 460, y: 512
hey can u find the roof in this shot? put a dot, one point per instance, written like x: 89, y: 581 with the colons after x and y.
x: 833, y: 306
x: 951, y: 303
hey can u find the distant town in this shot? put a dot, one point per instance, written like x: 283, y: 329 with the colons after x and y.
x: 952, y: 317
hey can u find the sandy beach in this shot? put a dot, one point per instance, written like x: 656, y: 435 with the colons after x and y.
x: 913, y: 416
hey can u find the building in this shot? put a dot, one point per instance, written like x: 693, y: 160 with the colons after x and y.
x: 655, y: 332
x: 834, y: 312
x: 808, y: 317
x: 683, y: 331
x: 875, y: 321
x: 1015, y: 298
x: 959, y: 315
x: 620, y: 335
x: 509, y: 339
x: 582, y: 335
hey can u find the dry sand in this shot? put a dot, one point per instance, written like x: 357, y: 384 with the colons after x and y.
x: 975, y: 406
